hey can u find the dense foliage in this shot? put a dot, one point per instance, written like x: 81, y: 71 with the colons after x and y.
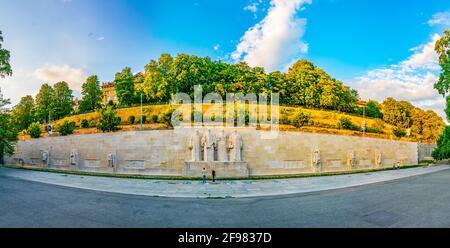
x: 66, y: 127
x: 34, y: 130
x: 443, y: 145
x: 5, y: 67
x: 108, y: 120
x: 8, y: 134
x: 92, y: 95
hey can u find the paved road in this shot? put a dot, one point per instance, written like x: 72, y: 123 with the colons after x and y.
x: 420, y: 201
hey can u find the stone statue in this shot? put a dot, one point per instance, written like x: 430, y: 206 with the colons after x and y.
x: 195, y: 146
x: 316, y: 162
x: 209, y: 145
x: 222, y: 151
x: 111, y: 160
x: 74, y: 158
x: 235, y: 145
x: 45, y: 158
x: 351, y: 160
x: 377, y: 158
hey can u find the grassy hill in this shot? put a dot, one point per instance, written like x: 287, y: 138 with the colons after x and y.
x: 320, y: 121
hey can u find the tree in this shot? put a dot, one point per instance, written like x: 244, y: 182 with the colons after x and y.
x: 442, y: 151
x: 44, y: 103
x: 373, y: 109
x: 34, y: 130
x: 8, y: 134
x: 5, y: 67
x: 124, y: 82
x: 442, y: 48
x: 92, y: 95
x: 108, y: 120
x: 22, y: 114
x: 66, y: 127
x: 397, y: 113
x: 63, y: 100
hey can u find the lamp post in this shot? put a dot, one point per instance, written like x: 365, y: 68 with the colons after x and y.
x: 141, y: 111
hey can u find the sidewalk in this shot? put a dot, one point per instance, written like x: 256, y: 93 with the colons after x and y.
x: 221, y: 189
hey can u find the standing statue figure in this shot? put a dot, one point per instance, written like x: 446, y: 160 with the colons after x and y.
x: 209, y: 145
x: 222, y: 154
x: 377, y: 158
x: 195, y: 146
x: 74, y: 158
x: 316, y: 162
x: 111, y: 160
x: 351, y: 160
x: 45, y: 158
x: 236, y: 144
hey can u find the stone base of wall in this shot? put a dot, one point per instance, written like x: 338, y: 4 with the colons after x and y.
x: 222, y: 169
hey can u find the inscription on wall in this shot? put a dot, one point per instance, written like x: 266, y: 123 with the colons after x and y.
x: 287, y: 164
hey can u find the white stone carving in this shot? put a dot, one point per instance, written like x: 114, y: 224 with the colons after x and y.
x: 74, y: 157
x: 195, y: 146
x: 45, y: 158
x: 209, y: 144
x: 316, y: 161
x: 222, y: 151
x: 351, y: 160
x: 236, y: 146
x: 378, y: 158
x: 112, y: 160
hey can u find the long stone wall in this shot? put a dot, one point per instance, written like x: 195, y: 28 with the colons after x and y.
x: 168, y: 152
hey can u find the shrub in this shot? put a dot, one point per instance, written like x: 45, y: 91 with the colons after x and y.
x: 131, y: 119
x: 442, y: 151
x: 399, y: 132
x: 285, y: 120
x: 166, y: 117
x: 144, y: 119
x: 34, y: 130
x: 84, y: 123
x: 301, y: 119
x: 346, y: 123
x: 108, y: 120
x: 93, y: 123
x: 154, y: 119
x: 66, y: 127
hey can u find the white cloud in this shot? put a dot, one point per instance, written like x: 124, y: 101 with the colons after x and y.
x: 54, y: 73
x: 276, y: 39
x: 252, y: 7
x: 411, y: 80
x: 441, y: 18
x: 216, y: 47
x: 101, y: 38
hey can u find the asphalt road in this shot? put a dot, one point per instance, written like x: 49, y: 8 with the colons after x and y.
x: 420, y: 201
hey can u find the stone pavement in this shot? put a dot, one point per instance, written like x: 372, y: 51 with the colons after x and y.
x: 221, y: 189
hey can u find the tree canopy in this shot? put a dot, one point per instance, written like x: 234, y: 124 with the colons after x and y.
x: 5, y: 67
x: 92, y: 95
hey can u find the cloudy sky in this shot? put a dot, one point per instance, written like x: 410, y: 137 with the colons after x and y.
x: 380, y: 47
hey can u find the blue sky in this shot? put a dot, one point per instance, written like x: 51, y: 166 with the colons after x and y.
x: 377, y: 46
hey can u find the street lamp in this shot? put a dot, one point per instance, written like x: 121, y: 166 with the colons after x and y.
x: 141, y: 110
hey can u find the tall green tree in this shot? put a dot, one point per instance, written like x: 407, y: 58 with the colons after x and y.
x: 373, y: 109
x: 22, y: 114
x: 45, y: 101
x: 8, y: 134
x: 5, y: 67
x: 397, y: 113
x: 124, y: 82
x: 63, y: 100
x: 442, y: 48
x: 92, y: 95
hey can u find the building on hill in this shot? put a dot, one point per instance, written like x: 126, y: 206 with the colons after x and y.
x: 109, y: 89
x: 109, y: 93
